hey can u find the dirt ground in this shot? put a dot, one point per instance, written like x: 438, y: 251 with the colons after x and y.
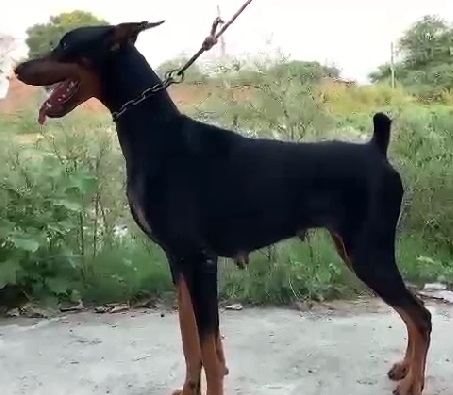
x: 345, y: 349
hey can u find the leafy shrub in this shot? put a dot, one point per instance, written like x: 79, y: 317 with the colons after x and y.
x: 63, y: 201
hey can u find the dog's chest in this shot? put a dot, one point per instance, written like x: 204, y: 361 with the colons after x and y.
x: 143, y: 220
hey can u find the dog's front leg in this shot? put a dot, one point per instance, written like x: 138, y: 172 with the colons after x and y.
x: 190, y: 340
x: 189, y: 330
x: 200, y: 276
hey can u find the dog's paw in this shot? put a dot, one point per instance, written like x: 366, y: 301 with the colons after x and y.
x: 410, y: 385
x: 182, y: 392
x: 188, y: 390
x: 398, y: 371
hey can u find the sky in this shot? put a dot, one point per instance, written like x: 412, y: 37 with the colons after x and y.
x: 354, y: 35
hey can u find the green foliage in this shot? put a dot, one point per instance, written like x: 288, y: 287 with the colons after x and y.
x: 42, y: 37
x: 426, y: 65
x: 62, y: 194
x: 421, y: 149
x: 55, y: 219
x: 282, y: 102
x: 346, y: 100
x: 280, y: 68
x: 305, y: 72
x: 239, y: 74
x: 427, y: 43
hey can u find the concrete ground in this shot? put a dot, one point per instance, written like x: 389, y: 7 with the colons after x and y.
x: 345, y: 349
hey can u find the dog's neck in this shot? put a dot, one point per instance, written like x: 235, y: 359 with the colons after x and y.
x: 128, y: 74
x: 144, y: 130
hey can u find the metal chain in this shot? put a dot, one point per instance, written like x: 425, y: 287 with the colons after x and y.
x: 177, y: 76
x: 148, y: 92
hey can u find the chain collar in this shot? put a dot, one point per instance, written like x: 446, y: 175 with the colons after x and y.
x: 171, y: 77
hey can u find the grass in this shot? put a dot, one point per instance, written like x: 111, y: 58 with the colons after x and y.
x: 85, y: 260
x: 137, y: 269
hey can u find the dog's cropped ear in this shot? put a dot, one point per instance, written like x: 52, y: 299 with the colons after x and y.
x: 129, y: 31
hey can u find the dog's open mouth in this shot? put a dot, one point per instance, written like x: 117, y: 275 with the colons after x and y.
x: 57, y: 104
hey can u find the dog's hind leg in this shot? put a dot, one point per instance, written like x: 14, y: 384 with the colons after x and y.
x: 374, y: 263
x: 341, y: 248
x: 400, y: 369
x: 369, y: 248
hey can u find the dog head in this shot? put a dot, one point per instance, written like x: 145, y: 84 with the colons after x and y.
x: 75, y: 64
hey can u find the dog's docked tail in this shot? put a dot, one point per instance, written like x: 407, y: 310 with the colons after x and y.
x: 381, y: 134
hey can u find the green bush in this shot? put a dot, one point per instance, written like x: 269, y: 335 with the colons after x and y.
x: 63, y: 199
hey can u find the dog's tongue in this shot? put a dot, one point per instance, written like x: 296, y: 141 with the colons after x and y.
x: 56, y: 97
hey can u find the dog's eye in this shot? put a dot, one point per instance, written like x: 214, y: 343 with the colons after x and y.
x: 64, y: 45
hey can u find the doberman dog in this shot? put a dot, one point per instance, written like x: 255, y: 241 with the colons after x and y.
x: 200, y: 192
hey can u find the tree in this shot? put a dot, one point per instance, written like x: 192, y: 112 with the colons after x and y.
x: 429, y: 41
x: 281, y: 68
x: 42, y: 37
x: 384, y: 72
x: 305, y: 71
x: 426, y: 65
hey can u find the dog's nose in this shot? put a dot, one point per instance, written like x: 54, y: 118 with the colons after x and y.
x: 22, y: 71
x: 19, y: 69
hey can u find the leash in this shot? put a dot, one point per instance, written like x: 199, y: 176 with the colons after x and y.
x: 177, y: 76
x: 212, y: 39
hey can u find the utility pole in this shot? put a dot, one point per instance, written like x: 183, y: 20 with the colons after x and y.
x: 222, y: 38
x: 392, y: 65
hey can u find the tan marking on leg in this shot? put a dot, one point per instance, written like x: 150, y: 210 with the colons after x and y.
x: 414, y: 381
x: 137, y: 209
x: 190, y: 342
x: 212, y: 366
x: 339, y: 246
x: 400, y: 369
x: 221, y: 354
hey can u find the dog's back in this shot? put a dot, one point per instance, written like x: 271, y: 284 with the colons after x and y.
x: 249, y: 188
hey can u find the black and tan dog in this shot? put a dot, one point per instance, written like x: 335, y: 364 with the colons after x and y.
x: 201, y: 192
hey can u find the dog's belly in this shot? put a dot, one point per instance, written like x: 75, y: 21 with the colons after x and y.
x: 231, y: 238
x: 248, y: 222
